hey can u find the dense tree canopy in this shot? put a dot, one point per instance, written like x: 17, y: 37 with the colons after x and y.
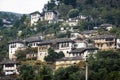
x: 52, y: 55
x: 73, y: 13
x: 103, y: 64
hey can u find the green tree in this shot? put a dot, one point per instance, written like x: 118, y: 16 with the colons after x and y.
x: 63, y: 10
x: 1, y: 23
x: 52, y: 55
x: 114, y: 75
x: 68, y: 73
x: 73, y: 13
x: 27, y: 72
x: 115, y: 30
x: 69, y: 2
x: 103, y: 63
x: 45, y: 73
x: 20, y: 54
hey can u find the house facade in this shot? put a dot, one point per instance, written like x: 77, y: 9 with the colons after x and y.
x: 43, y: 50
x: 14, y: 46
x: 105, y: 42
x: 33, y: 41
x: 72, y: 22
x: 62, y: 44
x: 89, y: 33
x: 83, y: 52
x: 50, y: 16
x: 107, y: 27
x: 67, y: 61
x: 35, y: 17
x: 79, y: 43
x: 9, y: 67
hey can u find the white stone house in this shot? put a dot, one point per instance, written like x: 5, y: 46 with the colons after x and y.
x: 35, y: 17
x: 14, y: 46
x: 33, y: 41
x: 72, y: 21
x: 83, y: 52
x: 69, y: 25
x: 62, y: 44
x: 9, y: 67
x: 50, y: 16
x: 107, y: 27
x: 105, y: 41
x: 89, y: 34
x: 43, y: 50
x: 79, y: 43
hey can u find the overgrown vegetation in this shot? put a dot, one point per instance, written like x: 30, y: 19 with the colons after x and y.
x: 104, y: 65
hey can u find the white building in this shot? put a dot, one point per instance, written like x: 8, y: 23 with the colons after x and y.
x: 50, y: 16
x: 79, y: 43
x: 9, y: 67
x: 89, y: 33
x: 107, y: 27
x: 72, y: 21
x: 14, y: 46
x: 33, y: 41
x: 62, y: 44
x: 83, y: 52
x: 35, y: 17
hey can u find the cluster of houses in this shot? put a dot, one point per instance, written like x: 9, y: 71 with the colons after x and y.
x: 53, y: 17
x: 50, y: 16
x: 75, y: 48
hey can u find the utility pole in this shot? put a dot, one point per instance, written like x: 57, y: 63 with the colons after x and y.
x: 86, y: 74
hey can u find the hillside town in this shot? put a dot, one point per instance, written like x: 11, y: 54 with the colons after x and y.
x: 49, y: 46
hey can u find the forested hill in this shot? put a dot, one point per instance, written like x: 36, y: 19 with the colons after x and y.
x: 100, y: 10
x: 9, y: 17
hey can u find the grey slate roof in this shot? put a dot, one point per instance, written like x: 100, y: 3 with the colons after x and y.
x: 33, y: 39
x: 16, y: 41
x: 60, y: 40
x: 105, y: 25
x: 78, y: 50
x: 8, y: 62
x: 81, y: 50
x: 89, y: 32
x: 104, y: 36
x: 70, y: 58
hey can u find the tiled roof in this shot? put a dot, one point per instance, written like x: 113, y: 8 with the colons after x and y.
x: 36, y: 12
x: 105, y: 25
x: 59, y: 40
x: 104, y: 36
x: 33, y: 39
x: 78, y: 50
x: 70, y: 58
x: 8, y: 62
x: 81, y: 50
x: 16, y: 41
x: 88, y: 32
